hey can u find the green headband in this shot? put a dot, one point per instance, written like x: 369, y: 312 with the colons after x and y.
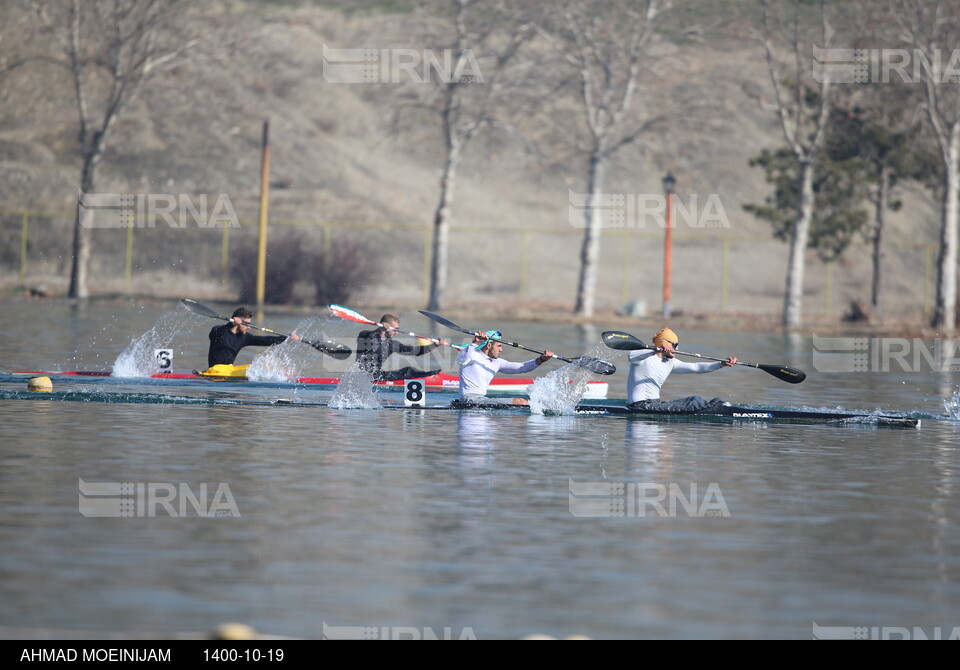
x: 492, y: 335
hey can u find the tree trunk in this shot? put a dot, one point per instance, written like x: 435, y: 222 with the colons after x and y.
x: 82, y: 243
x: 883, y: 196
x: 793, y: 299
x: 441, y: 226
x: 590, y: 250
x: 945, y: 312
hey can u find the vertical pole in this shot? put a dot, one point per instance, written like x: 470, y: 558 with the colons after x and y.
x: 264, y: 198
x: 828, y: 289
x: 523, y: 264
x: 625, y: 274
x: 427, y: 240
x: 23, y: 249
x: 725, y: 275
x: 128, y: 265
x: 667, y: 256
x: 225, y: 257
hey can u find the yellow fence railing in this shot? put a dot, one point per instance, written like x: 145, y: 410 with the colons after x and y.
x: 713, y: 270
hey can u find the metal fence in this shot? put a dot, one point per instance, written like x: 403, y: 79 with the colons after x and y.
x: 713, y: 271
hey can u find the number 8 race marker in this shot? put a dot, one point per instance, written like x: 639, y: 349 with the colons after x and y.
x: 415, y: 393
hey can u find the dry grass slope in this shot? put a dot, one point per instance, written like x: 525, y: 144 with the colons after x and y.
x: 335, y: 157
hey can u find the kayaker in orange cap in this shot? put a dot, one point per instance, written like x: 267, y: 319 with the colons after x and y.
x: 649, y: 369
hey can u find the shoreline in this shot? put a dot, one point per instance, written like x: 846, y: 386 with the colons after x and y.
x: 818, y: 324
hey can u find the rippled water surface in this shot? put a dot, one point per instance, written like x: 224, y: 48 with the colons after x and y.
x: 303, y: 521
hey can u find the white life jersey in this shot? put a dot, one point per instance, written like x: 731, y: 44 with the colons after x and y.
x: 477, y: 370
x: 648, y: 372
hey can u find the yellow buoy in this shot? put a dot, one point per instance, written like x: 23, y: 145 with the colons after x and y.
x: 40, y: 384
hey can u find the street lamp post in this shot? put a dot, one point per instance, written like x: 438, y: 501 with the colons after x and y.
x: 669, y: 182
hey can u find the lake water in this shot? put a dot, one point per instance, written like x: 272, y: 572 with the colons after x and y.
x: 312, y: 521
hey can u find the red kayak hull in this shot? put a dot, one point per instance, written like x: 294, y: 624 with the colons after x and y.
x: 595, y: 389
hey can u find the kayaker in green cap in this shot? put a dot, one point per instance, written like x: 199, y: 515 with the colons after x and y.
x: 480, y: 362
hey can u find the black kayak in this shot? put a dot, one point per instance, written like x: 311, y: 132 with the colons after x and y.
x: 725, y: 412
x: 718, y: 411
x: 728, y: 411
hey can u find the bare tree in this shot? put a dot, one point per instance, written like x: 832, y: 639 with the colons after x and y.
x: 932, y: 28
x: 605, y: 44
x: 485, y: 38
x: 804, y: 122
x: 110, y: 49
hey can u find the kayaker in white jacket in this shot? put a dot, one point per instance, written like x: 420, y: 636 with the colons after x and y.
x: 480, y: 362
x: 649, y: 369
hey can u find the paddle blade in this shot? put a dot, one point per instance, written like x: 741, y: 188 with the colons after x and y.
x: 351, y: 315
x: 784, y: 373
x: 449, y: 324
x: 331, y: 348
x: 622, y: 341
x: 594, y: 365
x: 203, y: 310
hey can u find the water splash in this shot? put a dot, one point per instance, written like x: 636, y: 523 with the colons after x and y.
x: 288, y: 360
x: 559, y: 392
x: 139, y: 359
x: 953, y: 405
x: 355, y: 391
x: 279, y: 363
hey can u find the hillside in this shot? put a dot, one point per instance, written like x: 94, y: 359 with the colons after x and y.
x: 336, y: 159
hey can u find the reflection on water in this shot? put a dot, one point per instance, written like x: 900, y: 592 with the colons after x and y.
x: 436, y: 518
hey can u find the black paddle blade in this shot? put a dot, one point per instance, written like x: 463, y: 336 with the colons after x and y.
x: 616, y: 339
x: 330, y: 348
x: 449, y: 324
x: 197, y: 308
x: 594, y: 365
x: 783, y: 373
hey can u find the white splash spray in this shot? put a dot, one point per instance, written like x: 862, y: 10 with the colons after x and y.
x: 559, y: 392
x: 287, y: 361
x: 277, y: 363
x: 953, y: 405
x: 139, y: 358
x: 355, y: 391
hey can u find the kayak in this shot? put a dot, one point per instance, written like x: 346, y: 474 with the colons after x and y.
x: 437, y: 382
x: 727, y: 411
x: 724, y: 412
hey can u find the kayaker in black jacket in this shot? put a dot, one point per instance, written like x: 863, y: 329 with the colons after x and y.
x: 227, y: 340
x: 375, y: 346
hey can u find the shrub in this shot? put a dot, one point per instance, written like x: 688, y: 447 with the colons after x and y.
x: 285, y: 260
x: 345, y: 268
